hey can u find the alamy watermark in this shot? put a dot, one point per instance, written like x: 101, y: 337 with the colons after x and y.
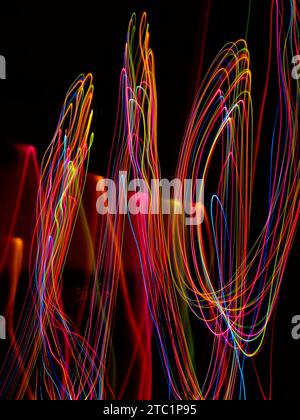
x: 2, y: 67
x: 296, y: 68
x: 296, y: 328
x: 2, y: 328
x: 153, y: 198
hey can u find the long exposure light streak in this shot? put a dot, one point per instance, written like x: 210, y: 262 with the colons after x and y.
x: 204, y: 294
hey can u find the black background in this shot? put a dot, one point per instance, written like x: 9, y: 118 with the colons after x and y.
x: 46, y: 48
